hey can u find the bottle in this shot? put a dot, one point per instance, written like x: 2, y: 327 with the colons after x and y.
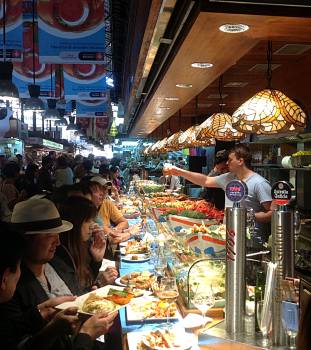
x: 259, y: 294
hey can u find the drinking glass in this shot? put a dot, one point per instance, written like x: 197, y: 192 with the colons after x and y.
x: 264, y: 321
x: 204, y: 300
x: 160, y: 265
x: 290, y: 320
x: 167, y: 291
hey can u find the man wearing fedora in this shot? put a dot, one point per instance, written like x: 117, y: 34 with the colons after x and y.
x: 41, y: 288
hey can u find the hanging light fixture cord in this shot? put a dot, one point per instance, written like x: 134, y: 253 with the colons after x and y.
x: 269, y: 60
x: 33, y: 43
x: 221, y: 101
x: 3, y: 30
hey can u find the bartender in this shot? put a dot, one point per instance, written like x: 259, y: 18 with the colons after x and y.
x: 216, y: 196
x: 259, y: 190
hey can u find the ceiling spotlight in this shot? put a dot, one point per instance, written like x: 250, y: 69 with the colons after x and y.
x: 184, y: 86
x: 171, y: 98
x: 202, y: 65
x: 167, y: 108
x: 234, y: 28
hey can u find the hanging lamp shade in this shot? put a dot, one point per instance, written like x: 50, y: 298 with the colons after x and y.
x: 189, y: 139
x: 219, y: 126
x: 268, y: 112
x: 153, y: 148
x: 161, y: 146
x: 51, y: 113
x: 61, y: 122
x: 8, y: 90
x: 113, y: 129
x: 34, y: 103
x: 72, y: 126
x: 172, y: 142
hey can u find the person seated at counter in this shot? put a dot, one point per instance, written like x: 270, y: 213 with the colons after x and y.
x: 114, y: 223
x: 26, y: 318
x: 259, y: 190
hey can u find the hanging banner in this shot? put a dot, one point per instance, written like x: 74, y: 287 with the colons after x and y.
x: 92, y: 109
x: 13, y: 30
x: 101, y: 127
x: 23, y: 71
x: 85, y: 82
x: 71, y: 31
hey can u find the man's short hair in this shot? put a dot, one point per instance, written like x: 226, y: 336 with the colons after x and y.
x: 221, y: 156
x: 243, y: 151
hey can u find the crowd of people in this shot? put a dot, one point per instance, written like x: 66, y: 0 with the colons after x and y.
x: 59, y: 224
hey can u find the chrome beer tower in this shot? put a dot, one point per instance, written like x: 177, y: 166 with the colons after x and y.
x: 282, y: 229
x: 236, y: 218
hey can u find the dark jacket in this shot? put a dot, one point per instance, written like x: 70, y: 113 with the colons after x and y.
x: 20, y: 318
x: 65, y: 267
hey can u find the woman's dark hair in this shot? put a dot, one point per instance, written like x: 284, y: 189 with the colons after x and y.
x: 60, y: 195
x: 77, y: 210
x: 11, y: 248
x: 10, y: 170
x: 114, y: 169
x: 242, y: 151
x: 88, y: 165
x: 82, y: 187
x: 62, y: 162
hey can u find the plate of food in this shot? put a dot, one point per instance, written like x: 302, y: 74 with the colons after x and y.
x: 134, y: 247
x: 130, y: 212
x: 163, y: 339
x: 139, y: 280
x: 150, y: 309
x: 134, y: 258
x: 106, y: 299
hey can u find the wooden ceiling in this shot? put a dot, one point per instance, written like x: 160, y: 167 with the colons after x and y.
x: 234, y: 56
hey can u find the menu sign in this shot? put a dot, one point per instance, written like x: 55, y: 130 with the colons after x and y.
x: 281, y: 192
x: 294, y: 3
x: 236, y: 191
x: 85, y: 82
x: 13, y: 30
x: 91, y: 109
x: 71, y: 31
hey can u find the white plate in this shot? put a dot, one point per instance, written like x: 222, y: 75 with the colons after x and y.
x: 80, y: 300
x: 118, y: 282
x: 185, y: 341
x: 123, y: 251
x: 141, y: 258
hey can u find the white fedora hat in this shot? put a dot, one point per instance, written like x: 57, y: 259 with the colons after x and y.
x: 38, y: 215
x: 99, y: 180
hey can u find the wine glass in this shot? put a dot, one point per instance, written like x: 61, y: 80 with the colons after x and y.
x: 167, y: 291
x: 264, y: 321
x: 204, y: 300
x: 160, y: 265
x: 290, y: 320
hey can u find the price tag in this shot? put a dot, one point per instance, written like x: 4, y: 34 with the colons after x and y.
x: 281, y: 192
x: 236, y: 191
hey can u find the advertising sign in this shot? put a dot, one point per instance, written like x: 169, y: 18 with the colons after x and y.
x: 85, y: 82
x: 13, y: 30
x: 91, y: 109
x: 71, y: 31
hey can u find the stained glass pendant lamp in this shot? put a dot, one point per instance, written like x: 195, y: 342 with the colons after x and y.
x: 269, y: 111
x: 219, y: 125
